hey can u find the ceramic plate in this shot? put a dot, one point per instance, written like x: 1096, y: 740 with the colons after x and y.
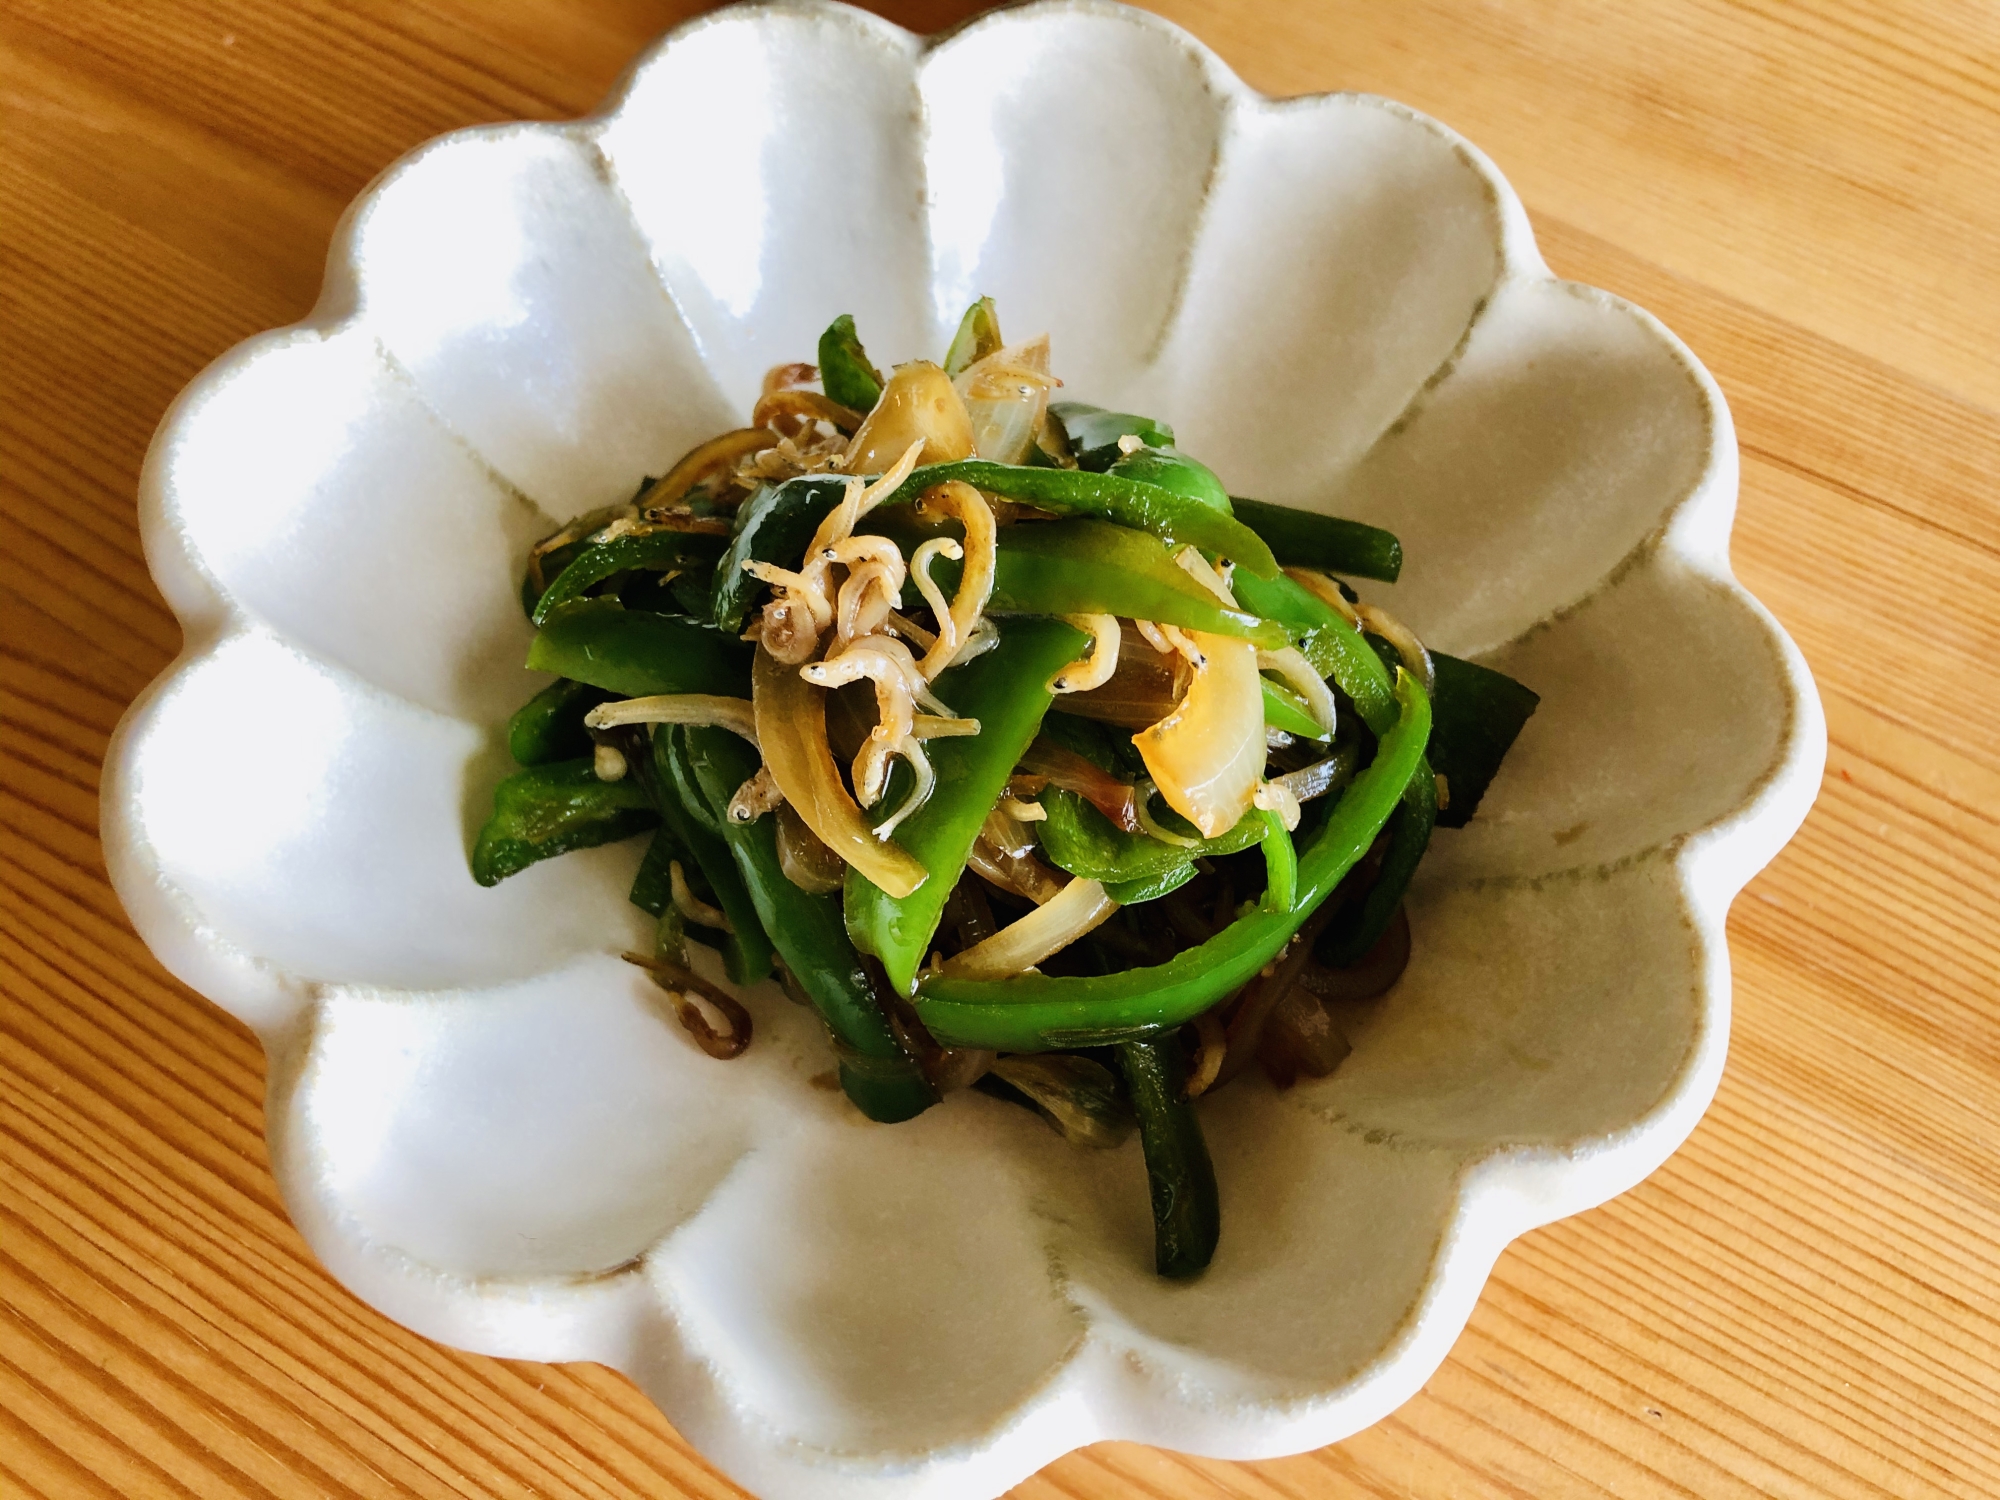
x: 477, y: 1115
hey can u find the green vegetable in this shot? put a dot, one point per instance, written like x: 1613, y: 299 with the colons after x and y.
x: 844, y: 371
x: 652, y: 887
x: 1334, y: 647
x: 658, y: 550
x: 1353, y: 932
x: 1109, y: 497
x: 1006, y: 690
x: 1476, y: 713
x: 1094, y: 432
x: 1187, y: 1213
x: 882, y: 1079
x: 636, y: 653
x: 1094, y: 567
x: 1307, y: 539
x: 1078, y: 838
x: 1286, y: 710
x: 978, y: 336
x: 1172, y: 469
x: 774, y: 526
x: 551, y: 809
x: 1151, y: 887
x: 549, y: 726
x: 1281, y: 863
x: 746, y: 952
x: 1038, y: 1012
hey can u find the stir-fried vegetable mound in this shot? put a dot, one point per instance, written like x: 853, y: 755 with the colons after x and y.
x: 1007, y: 739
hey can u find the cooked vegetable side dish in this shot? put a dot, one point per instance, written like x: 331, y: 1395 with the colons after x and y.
x: 1000, y: 734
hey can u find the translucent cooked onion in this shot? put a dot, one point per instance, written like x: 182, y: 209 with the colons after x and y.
x: 918, y: 405
x: 1326, y: 591
x: 791, y: 731
x: 1299, y: 675
x: 1275, y: 796
x: 1070, y: 771
x: 803, y: 859
x: 1322, y: 776
x: 802, y: 406
x: 1079, y: 907
x: 1006, y: 397
x: 1207, y: 756
x: 1152, y: 827
x: 703, y: 710
x: 723, y: 452
x: 1078, y: 1096
x: 1143, y: 688
x: 1408, y: 647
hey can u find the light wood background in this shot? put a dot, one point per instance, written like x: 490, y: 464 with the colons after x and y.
x: 1802, y: 1302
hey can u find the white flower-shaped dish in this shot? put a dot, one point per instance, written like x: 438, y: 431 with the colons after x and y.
x: 478, y: 1115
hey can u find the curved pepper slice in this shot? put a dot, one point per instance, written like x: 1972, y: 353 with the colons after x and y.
x: 882, y: 1079
x: 1006, y: 691
x: 600, y: 560
x: 637, y: 653
x: 1109, y: 497
x: 1037, y: 1012
x: 1308, y: 539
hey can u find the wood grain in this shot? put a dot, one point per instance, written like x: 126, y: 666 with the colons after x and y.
x: 1801, y: 1303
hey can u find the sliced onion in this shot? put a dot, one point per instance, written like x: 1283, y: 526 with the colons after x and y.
x: 1142, y: 799
x: 802, y: 406
x: 1077, y: 1095
x: 791, y: 730
x: 1326, y: 591
x: 803, y: 859
x: 1207, y: 756
x: 1020, y: 873
x: 721, y: 452
x: 703, y: 710
x: 919, y: 404
x: 1071, y: 772
x: 1321, y: 777
x: 1399, y: 635
x: 1006, y: 396
x: 1299, y: 675
x: 1076, y: 909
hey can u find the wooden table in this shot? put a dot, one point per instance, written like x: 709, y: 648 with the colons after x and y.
x: 1802, y: 1302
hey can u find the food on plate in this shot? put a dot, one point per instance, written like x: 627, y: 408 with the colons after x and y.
x: 1004, y: 737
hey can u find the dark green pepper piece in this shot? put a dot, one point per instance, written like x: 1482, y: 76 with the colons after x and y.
x: 655, y: 550
x: 882, y: 1079
x: 1307, y: 539
x: 1187, y: 1212
x: 1172, y: 469
x: 774, y: 526
x: 844, y: 371
x: 1039, y: 1012
x: 746, y: 953
x: 1353, y: 932
x: 978, y: 336
x: 551, y: 809
x: 1007, y: 691
x: 549, y: 726
x: 636, y: 653
x: 1078, y: 838
x: 1476, y: 715
x: 652, y: 888
x: 1094, y: 432
x: 1150, y: 888
x: 1108, y: 497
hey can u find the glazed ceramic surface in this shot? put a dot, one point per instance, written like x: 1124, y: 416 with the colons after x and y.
x: 484, y: 1122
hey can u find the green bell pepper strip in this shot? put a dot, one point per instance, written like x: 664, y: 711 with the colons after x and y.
x: 1038, y: 1012
x: 774, y: 525
x: 844, y: 371
x: 652, y: 887
x: 1093, y: 432
x: 1180, y: 1178
x: 746, y: 952
x: 1353, y: 932
x: 1281, y: 864
x: 1078, y: 838
x: 882, y: 1079
x: 1334, y: 647
x: 551, y: 809
x: 1286, y: 710
x: 549, y: 726
x: 978, y: 336
x: 1093, y: 567
x: 1172, y: 469
x: 636, y: 653
x: 1151, y: 887
x: 1108, y: 497
x: 1478, y: 712
x: 1006, y: 690
x: 657, y: 550
x: 1307, y: 539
